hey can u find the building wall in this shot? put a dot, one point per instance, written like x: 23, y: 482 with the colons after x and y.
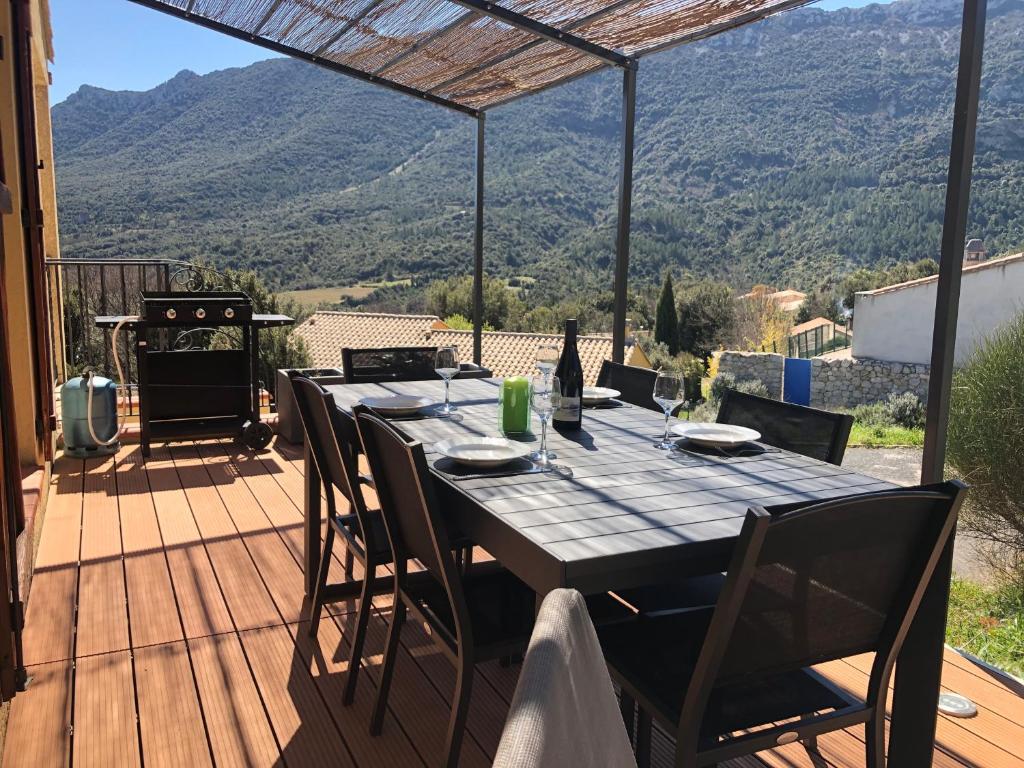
x: 897, y: 325
x: 17, y: 278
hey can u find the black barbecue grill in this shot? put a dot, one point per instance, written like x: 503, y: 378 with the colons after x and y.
x: 188, y: 388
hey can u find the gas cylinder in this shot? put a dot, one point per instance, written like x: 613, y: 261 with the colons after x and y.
x: 74, y: 400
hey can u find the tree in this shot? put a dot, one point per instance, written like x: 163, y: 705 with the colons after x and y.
x: 707, y: 315
x: 666, y: 323
x: 502, y: 307
x: 820, y: 302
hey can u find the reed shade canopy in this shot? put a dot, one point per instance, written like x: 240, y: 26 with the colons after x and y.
x: 471, y: 54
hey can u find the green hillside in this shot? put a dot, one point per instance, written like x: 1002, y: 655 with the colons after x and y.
x: 784, y: 152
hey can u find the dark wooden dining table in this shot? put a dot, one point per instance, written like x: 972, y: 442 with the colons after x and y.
x: 617, y: 512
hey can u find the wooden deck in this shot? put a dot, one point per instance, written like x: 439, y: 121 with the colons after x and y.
x: 165, y: 627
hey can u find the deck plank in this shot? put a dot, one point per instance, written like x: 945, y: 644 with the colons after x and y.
x: 236, y: 721
x: 247, y: 598
x: 102, y: 600
x: 105, y: 730
x: 152, y: 608
x: 50, y: 617
x: 200, y: 602
x: 269, y: 553
x: 304, y: 729
x: 167, y: 694
x: 39, y: 725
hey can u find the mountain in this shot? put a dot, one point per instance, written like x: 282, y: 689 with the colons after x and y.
x: 783, y: 152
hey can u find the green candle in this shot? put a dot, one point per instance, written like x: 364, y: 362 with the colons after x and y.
x: 514, y: 405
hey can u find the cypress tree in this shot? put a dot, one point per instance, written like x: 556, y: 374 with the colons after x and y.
x: 666, y: 322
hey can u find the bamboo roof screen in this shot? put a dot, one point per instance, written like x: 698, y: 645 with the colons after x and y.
x: 471, y: 54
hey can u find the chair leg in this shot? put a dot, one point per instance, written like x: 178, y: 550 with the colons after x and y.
x: 460, y: 711
x: 321, y: 582
x: 627, y: 705
x: 467, y: 560
x: 349, y: 563
x: 355, y: 657
x: 643, y: 740
x: 388, y: 666
x: 874, y: 738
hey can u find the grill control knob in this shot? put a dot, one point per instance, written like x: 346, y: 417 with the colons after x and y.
x: 200, y: 313
x: 170, y: 314
x: 229, y: 313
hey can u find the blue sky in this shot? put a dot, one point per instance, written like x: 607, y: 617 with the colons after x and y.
x: 118, y: 45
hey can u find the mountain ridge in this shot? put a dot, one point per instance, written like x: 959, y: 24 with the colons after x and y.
x: 787, y: 151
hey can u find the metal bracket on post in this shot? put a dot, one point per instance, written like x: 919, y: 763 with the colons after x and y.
x: 478, y: 245
x: 625, y: 209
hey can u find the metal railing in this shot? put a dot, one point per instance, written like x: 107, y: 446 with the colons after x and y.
x: 89, y: 288
x: 819, y: 340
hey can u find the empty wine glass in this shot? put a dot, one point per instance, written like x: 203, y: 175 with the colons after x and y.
x: 545, y: 397
x: 547, y: 358
x: 446, y: 363
x: 668, y: 395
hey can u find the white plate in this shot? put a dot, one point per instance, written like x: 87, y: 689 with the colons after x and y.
x: 397, y: 405
x: 482, y: 451
x: 715, y: 435
x: 598, y: 395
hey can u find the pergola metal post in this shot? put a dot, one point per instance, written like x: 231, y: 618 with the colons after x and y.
x: 918, y: 675
x: 625, y: 208
x: 478, y: 245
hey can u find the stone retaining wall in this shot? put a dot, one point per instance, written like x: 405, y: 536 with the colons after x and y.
x: 843, y: 383
x: 765, y: 367
x: 855, y: 381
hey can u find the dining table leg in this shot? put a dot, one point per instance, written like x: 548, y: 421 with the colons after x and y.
x: 919, y: 673
x: 311, y: 508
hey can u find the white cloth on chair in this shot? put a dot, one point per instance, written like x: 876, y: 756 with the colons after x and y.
x: 564, y: 712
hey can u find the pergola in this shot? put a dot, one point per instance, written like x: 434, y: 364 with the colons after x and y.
x: 474, y: 55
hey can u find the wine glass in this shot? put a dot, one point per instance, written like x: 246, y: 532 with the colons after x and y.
x: 446, y: 364
x: 668, y: 395
x: 547, y: 359
x: 545, y: 397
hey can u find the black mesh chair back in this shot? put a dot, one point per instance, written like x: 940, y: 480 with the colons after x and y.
x: 414, y: 525
x: 388, y: 364
x: 635, y: 384
x: 808, y: 431
x: 332, y: 438
x: 836, y: 579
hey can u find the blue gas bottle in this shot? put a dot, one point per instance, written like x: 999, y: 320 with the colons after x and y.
x: 74, y: 399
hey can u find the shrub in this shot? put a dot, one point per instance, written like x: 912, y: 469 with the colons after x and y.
x: 905, y: 410
x: 872, y: 415
x: 986, y: 443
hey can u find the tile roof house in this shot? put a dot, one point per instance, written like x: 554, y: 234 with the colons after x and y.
x: 505, y: 353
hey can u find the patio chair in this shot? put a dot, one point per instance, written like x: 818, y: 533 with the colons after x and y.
x: 635, y: 384
x: 808, y: 431
x: 564, y: 712
x: 334, y: 442
x: 383, y: 364
x: 805, y: 586
x: 482, y: 614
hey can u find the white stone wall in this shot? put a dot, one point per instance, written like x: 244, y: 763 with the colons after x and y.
x: 896, y: 325
x: 765, y: 367
x: 858, y: 381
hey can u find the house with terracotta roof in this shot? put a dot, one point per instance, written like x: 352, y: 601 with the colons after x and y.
x: 895, y: 323
x: 788, y: 300
x: 503, y: 352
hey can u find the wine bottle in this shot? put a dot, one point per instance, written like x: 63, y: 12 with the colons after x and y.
x: 569, y: 414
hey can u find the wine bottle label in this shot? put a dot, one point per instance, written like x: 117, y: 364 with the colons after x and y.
x: 569, y: 410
